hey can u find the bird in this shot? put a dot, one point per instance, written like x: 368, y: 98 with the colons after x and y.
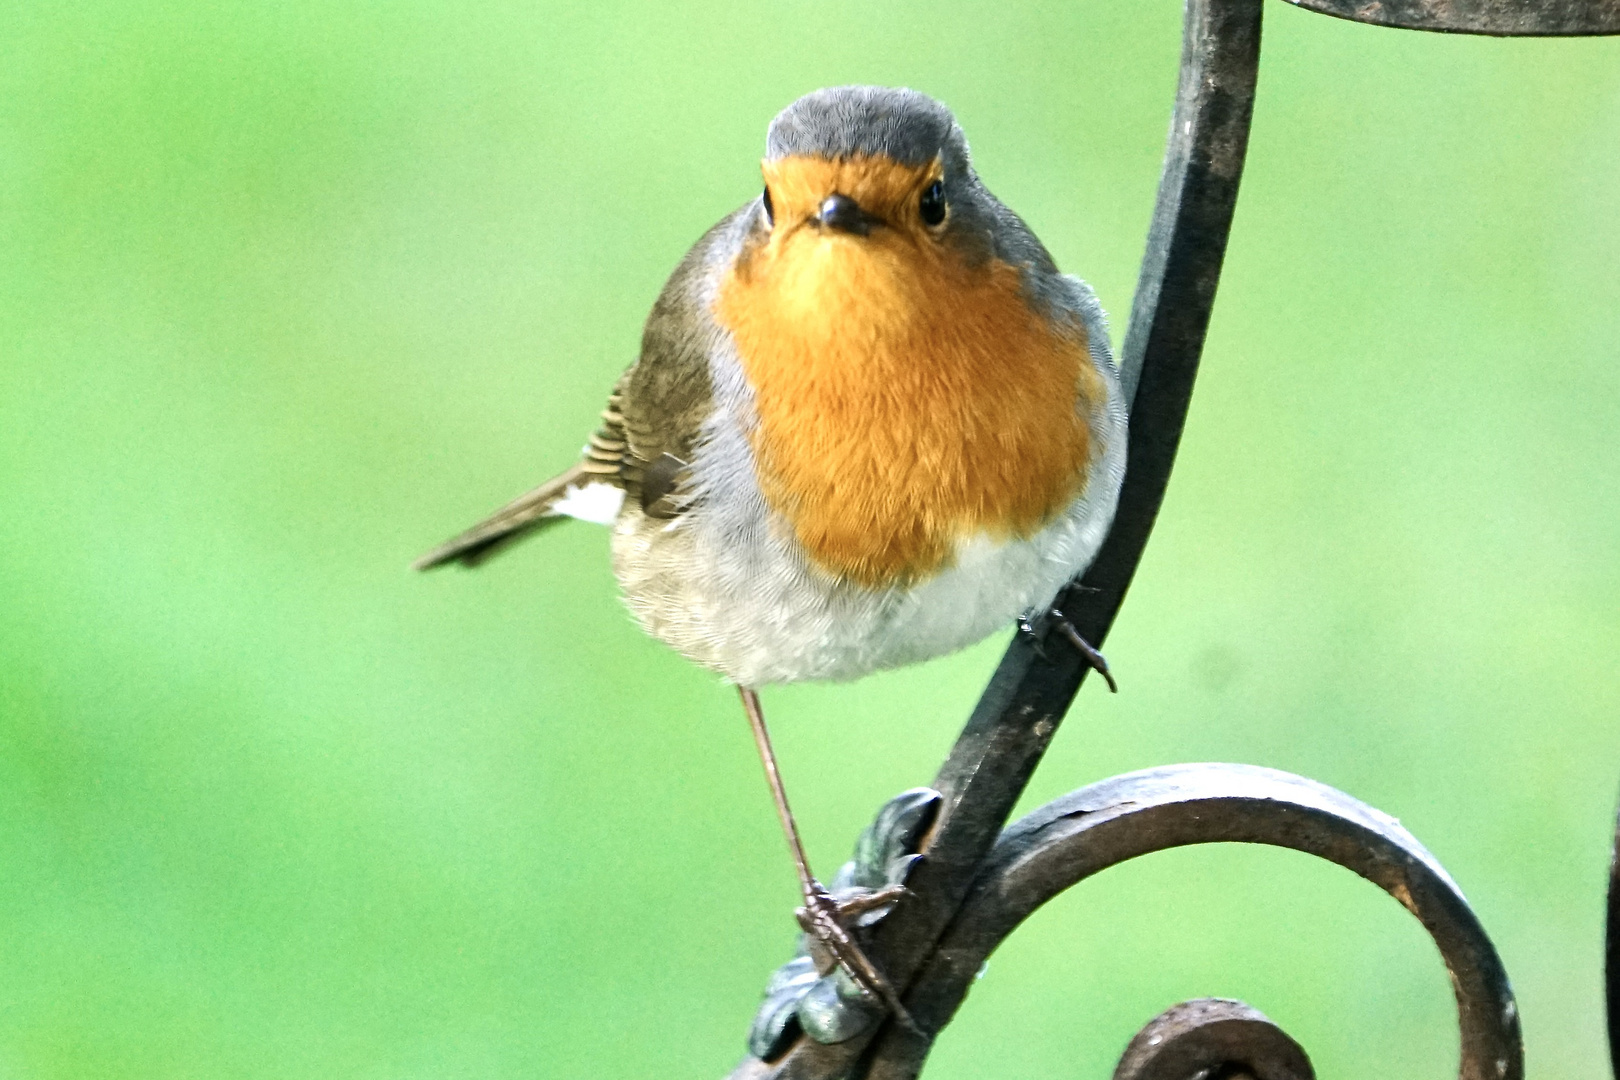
x: 870, y: 423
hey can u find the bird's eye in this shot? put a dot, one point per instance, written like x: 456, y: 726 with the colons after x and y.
x: 932, y: 206
x: 770, y: 211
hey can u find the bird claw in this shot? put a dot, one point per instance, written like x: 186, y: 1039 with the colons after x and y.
x: 827, y: 922
x: 1054, y: 621
x: 819, y: 991
x: 847, y: 908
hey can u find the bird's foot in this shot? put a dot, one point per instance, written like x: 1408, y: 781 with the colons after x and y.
x: 828, y: 922
x: 1055, y: 622
x: 819, y: 991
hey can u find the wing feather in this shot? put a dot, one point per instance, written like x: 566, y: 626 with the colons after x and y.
x: 604, y: 462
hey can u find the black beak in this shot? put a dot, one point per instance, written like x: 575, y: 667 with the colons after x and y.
x: 845, y: 214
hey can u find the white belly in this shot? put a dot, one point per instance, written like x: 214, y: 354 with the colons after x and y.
x: 732, y: 595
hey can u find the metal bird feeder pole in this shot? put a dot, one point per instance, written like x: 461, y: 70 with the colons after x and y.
x: 970, y: 879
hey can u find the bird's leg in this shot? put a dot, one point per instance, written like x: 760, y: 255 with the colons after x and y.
x: 1087, y: 651
x: 823, y: 917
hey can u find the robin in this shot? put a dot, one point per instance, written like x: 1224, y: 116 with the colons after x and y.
x: 871, y: 423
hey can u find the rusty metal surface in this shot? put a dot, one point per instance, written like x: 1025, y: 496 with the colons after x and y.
x: 1090, y: 830
x: 1213, y: 1037
x: 1611, y: 957
x: 1498, y: 18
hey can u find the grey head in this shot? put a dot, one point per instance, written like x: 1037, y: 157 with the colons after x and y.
x: 852, y: 121
x: 911, y: 129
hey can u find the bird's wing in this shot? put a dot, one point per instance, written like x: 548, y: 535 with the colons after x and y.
x: 652, y: 422
x: 649, y: 427
x: 606, y: 460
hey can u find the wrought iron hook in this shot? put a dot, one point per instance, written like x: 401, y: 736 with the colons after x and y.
x: 1029, y: 693
x: 1497, y: 18
x: 1027, y: 697
x: 1115, y: 820
x: 1611, y: 956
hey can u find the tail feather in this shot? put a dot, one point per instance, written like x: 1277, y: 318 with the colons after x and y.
x: 517, y: 518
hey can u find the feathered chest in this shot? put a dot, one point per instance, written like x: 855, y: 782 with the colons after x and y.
x: 905, y: 401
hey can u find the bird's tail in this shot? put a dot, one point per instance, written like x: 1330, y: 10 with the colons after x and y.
x: 516, y: 519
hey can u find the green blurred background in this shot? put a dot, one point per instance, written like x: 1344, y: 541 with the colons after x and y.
x: 289, y: 292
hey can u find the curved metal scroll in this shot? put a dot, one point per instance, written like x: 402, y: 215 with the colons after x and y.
x: 1092, y: 829
x: 1499, y: 18
x: 1032, y: 688
x: 1213, y: 1037
x: 1611, y: 958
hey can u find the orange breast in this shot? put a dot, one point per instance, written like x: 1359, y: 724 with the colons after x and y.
x: 904, y: 399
